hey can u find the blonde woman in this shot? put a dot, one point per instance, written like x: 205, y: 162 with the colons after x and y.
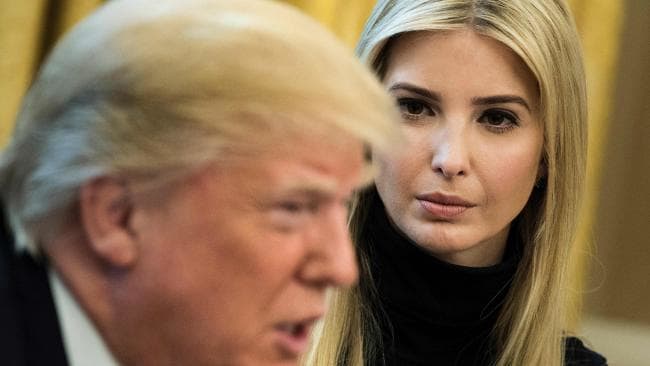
x: 464, y: 238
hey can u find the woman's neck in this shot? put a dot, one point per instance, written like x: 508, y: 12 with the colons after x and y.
x: 430, y: 309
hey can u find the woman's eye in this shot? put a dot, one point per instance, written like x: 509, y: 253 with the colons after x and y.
x: 413, y: 108
x: 499, y: 120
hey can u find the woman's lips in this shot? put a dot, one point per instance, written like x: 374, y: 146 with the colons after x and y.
x: 443, y: 206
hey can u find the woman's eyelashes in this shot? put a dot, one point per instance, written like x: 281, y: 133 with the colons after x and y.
x: 414, y: 109
x: 499, y: 120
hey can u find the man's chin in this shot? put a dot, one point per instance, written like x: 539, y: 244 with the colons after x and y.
x: 265, y: 361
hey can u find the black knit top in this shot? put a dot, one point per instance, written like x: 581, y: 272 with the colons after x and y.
x: 435, y: 313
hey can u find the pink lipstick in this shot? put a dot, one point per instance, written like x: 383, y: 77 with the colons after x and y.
x: 442, y: 206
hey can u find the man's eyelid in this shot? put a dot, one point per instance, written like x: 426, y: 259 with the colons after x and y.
x: 308, y: 197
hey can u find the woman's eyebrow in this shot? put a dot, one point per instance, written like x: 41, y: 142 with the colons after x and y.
x: 499, y: 99
x: 416, y: 90
x: 493, y: 99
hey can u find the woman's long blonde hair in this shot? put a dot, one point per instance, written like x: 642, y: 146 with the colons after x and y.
x: 531, y: 324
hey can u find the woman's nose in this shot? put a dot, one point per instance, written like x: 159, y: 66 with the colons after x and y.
x: 450, y: 153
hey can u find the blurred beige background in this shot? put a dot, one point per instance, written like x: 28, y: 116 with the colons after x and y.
x: 612, y: 256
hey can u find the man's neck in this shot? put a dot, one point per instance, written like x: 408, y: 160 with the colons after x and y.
x: 83, y: 344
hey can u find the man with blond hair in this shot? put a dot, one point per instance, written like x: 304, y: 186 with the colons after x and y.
x: 177, y: 185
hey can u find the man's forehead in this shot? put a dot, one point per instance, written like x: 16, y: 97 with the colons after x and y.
x: 307, y: 165
x: 325, y: 184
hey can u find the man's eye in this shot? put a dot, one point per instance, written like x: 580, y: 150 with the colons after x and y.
x: 290, y: 216
x: 294, y: 207
x: 291, y: 206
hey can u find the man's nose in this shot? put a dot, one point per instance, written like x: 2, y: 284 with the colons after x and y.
x: 333, y: 261
x: 450, y: 152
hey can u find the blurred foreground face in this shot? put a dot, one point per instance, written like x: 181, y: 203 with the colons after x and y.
x: 474, y: 144
x: 236, y: 260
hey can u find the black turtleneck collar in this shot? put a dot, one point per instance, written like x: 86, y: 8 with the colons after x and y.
x: 433, y: 310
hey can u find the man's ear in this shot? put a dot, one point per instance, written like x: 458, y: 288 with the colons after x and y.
x: 105, y: 209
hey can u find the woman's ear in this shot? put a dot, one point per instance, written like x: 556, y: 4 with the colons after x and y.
x: 105, y: 210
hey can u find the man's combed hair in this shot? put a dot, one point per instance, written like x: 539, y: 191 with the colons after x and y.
x: 157, y: 88
x: 542, y: 33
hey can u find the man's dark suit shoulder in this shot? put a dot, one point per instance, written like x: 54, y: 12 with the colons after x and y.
x: 30, y: 333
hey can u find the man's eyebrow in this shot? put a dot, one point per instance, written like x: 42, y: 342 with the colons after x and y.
x: 500, y: 99
x: 416, y: 90
x: 316, y: 188
x: 323, y: 188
